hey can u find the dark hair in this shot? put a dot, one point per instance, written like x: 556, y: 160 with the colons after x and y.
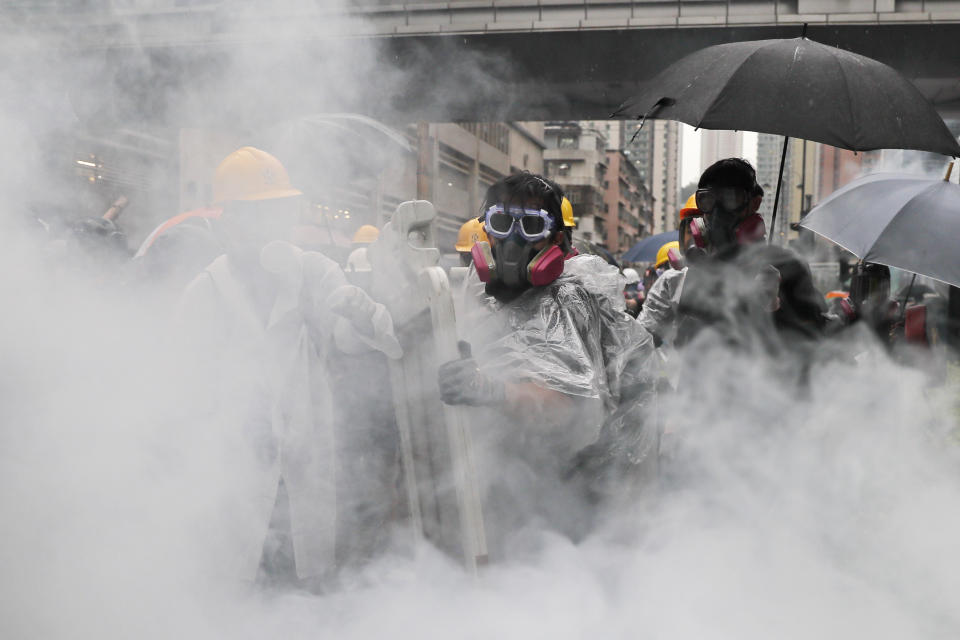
x: 523, y: 186
x: 730, y: 172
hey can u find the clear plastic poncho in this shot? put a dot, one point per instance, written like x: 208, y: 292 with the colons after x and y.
x: 574, y: 336
x: 571, y: 336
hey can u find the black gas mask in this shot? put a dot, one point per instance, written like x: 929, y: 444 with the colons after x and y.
x: 723, y: 210
x: 513, y: 261
x: 512, y: 256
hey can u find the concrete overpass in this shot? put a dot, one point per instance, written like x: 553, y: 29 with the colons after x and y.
x: 438, y: 61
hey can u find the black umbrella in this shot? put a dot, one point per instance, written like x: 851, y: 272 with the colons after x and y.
x: 797, y: 88
x: 903, y: 221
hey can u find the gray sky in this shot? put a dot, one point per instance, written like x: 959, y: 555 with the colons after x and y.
x: 690, y: 139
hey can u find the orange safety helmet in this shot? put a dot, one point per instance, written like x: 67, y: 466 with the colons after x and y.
x: 690, y: 208
x: 366, y: 234
x: 205, y: 213
x: 251, y: 174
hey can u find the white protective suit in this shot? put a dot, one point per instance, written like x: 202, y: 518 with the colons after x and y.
x: 273, y: 402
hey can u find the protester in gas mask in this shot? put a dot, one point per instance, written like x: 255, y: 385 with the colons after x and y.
x: 659, y: 312
x: 267, y: 318
x: 557, y: 355
x: 735, y: 280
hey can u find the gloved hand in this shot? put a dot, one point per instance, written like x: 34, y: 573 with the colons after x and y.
x: 353, y: 304
x: 368, y: 322
x: 461, y: 382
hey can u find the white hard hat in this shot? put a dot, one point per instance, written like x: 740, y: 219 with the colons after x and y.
x: 631, y: 275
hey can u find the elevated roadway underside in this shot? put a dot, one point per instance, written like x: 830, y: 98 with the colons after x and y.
x: 539, y: 75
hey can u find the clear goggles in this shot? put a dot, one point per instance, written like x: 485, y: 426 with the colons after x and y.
x: 730, y: 198
x: 532, y: 224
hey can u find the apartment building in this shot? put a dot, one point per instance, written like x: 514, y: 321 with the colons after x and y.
x: 576, y: 158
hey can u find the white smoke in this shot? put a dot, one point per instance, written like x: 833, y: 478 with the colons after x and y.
x: 831, y: 515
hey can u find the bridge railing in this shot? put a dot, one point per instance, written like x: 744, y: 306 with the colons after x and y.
x: 510, y: 15
x: 223, y: 19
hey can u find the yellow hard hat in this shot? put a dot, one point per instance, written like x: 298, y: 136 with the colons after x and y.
x: 471, y: 232
x: 690, y: 207
x: 251, y: 174
x: 366, y: 234
x: 566, y: 208
x: 663, y: 253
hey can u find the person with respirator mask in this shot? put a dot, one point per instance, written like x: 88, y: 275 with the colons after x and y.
x: 557, y: 354
x: 735, y: 282
x: 267, y: 319
x: 659, y: 313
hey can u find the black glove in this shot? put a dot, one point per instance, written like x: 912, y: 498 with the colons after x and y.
x: 462, y: 383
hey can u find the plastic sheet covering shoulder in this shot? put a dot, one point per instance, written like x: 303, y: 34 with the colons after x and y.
x: 574, y: 336
x: 439, y: 477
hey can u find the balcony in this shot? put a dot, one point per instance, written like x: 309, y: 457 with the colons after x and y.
x: 629, y: 221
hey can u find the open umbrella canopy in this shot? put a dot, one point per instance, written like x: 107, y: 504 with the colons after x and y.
x: 903, y: 221
x: 646, y: 249
x: 797, y: 88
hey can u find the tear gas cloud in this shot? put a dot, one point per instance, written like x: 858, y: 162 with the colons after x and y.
x: 832, y: 515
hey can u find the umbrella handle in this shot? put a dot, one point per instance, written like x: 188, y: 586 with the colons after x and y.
x: 946, y: 178
x: 903, y: 305
x: 776, y: 198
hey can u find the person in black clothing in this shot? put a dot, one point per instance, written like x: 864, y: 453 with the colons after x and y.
x: 749, y: 292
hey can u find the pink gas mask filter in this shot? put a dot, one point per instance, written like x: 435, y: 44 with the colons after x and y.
x: 483, y: 261
x: 750, y: 230
x: 676, y: 259
x: 544, y: 268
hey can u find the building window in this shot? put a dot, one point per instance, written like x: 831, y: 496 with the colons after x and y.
x: 496, y: 134
x: 567, y: 142
x: 452, y: 178
x: 556, y: 168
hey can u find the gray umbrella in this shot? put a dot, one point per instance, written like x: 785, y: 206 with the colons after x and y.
x: 797, y: 88
x: 903, y: 221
